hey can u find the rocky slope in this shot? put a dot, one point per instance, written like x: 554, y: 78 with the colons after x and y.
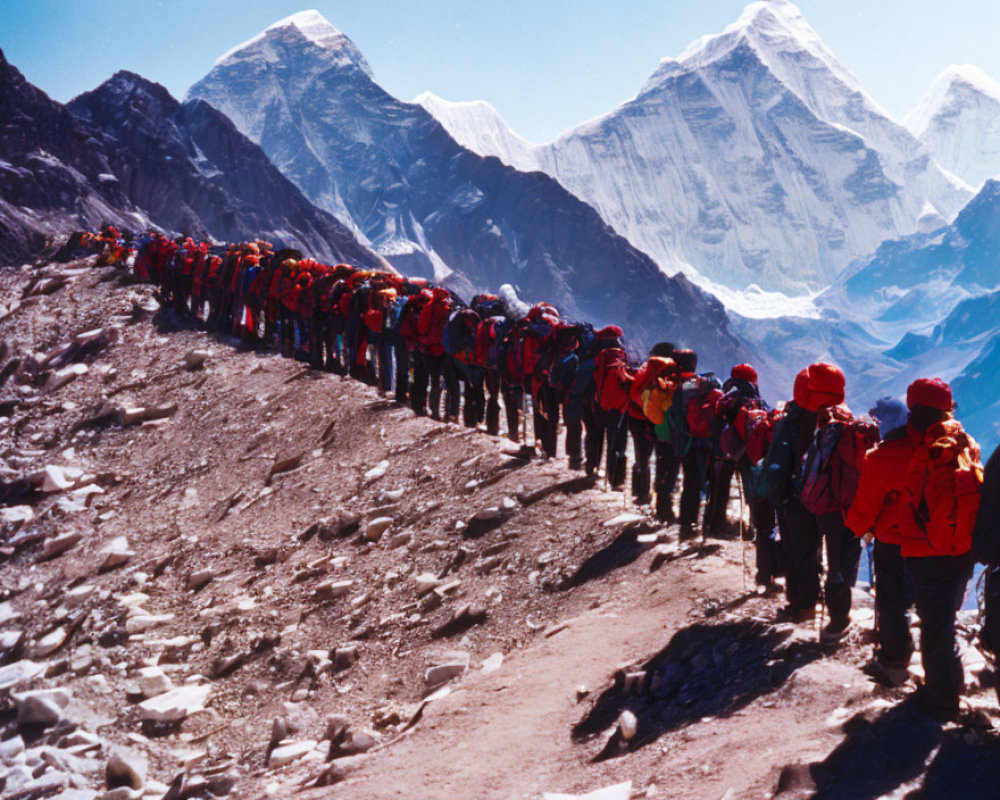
x: 55, y: 173
x: 130, y: 154
x: 754, y: 157
x: 189, y: 168
x: 226, y: 569
x: 303, y: 91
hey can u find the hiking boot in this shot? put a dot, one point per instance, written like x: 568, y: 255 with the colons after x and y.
x: 886, y: 673
x: 835, y: 631
x: 576, y: 464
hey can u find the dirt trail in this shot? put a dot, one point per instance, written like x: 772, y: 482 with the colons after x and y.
x: 304, y: 555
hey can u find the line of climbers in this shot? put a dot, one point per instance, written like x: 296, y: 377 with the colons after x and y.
x: 815, y: 476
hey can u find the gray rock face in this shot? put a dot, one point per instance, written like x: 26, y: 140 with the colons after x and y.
x: 434, y: 208
x: 44, y: 707
x: 189, y: 168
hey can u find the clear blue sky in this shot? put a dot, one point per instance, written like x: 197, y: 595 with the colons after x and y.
x: 545, y: 64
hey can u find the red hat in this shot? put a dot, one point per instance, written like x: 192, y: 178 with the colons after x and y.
x: 930, y: 392
x: 827, y: 384
x: 801, y: 391
x: 744, y: 372
x: 610, y: 332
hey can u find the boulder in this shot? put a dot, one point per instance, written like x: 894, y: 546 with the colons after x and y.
x: 49, y: 643
x: 125, y: 768
x: 43, y: 707
x: 287, y: 752
x: 175, y: 705
x: 115, y: 553
x: 153, y: 681
x: 376, y: 527
x: 59, y: 545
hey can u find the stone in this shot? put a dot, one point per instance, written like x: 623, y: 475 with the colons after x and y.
x: 425, y: 582
x: 200, y: 579
x: 442, y: 673
x: 115, y: 553
x: 43, y: 707
x: 626, y: 518
x: 175, y: 705
x: 48, y: 644
x: 376, y: 527
x: 359, y: 742
x: 126, y: 768
x: 344, y: 656
x: 13, y: 675
x: 59, y: 545
x: 288, y: 752
x: 492, y: 664
x: 122, y: 793
x: 195, y: 359
x: 153, y: 681
x: 401, y: 539
x: 17, y: 515
x: 628, y: 725
x: 61, y: 377
x: 377, y: 471
x: 620, y: 791
x: 331, y: 590
x: 11, y: 750
x: 144, y: 622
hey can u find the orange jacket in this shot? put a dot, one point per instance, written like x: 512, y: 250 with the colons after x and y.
x: 880, y: 500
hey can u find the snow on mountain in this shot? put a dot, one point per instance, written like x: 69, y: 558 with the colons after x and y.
x: 478, y: 126
x: 390, y: 170
x: 958, y: 120
x: 755, y: 157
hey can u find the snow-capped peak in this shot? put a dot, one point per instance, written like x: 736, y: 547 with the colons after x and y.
x: 311, y: 26
x: 477, y: 125
x: 776, y: 30
x: 944, y: 86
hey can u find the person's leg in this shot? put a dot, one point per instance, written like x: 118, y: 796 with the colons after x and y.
x: 492, y: 384
x: 573, y: 415
x: 512, y: 396
x: 801, y: 540
x: 402, y: 370
x: 667, y: 468
x: 418, y: 389
x: 894, y: 645
x: 939, y: 584
x: 843, y: 551
x: 642, y: 446
x: 718, y: 498
x: 593, y: 423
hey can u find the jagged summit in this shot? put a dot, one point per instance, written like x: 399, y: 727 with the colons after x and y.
x: 957, y: 119
x: 310, y: 26
x: 954, y: 78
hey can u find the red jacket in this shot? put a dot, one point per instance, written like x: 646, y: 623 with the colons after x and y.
x: 879, y: 502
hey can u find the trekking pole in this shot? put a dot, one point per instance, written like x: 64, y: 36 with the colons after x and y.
x: 743, y: 542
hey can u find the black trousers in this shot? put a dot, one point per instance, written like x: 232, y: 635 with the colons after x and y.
x: 512, y: 397
x: 893, y: 598
x: 800, y: 543
x: 573, y: 417
x: 939, y: 584
x: 593, y: 423
x: 843, y: 551
x: 492, y: 386
x: 402, y: 358
x: 418, y: 388
x: 642, y: 446
x: 668, y: 466
x: 616, y: 434
x: 696, y: 464
x: 547, y: 415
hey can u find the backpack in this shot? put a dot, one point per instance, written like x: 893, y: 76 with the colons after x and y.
x: 614, y: 380
x: 653, y: 389
x: 944, y: 483
x: 699, y: 396
x: 394, y: 314
x: 431, y: 324
x: 831, y: 467
x: 487, y: 305
x: 489, y: 336
x: 460, y: 335
x: 758, y: 426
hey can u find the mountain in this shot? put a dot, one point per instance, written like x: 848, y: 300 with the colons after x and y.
x: 430, y: 206
x: 958, y: 120
x: 755, y: 157
x: 189, y: 168
x: 55, y: 173
x: 919, y: 278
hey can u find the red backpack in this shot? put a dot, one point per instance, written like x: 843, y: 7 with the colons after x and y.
x: 431, y: 324
x: 944, y: 483
x: 699, y: 410
x: 613, y: 379
x: 758, y: 427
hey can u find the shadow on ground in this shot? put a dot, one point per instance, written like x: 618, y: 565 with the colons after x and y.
x: 705, y: 671
x: 886, y: 752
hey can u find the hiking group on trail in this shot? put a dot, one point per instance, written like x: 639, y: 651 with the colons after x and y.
x: 815, y: 477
